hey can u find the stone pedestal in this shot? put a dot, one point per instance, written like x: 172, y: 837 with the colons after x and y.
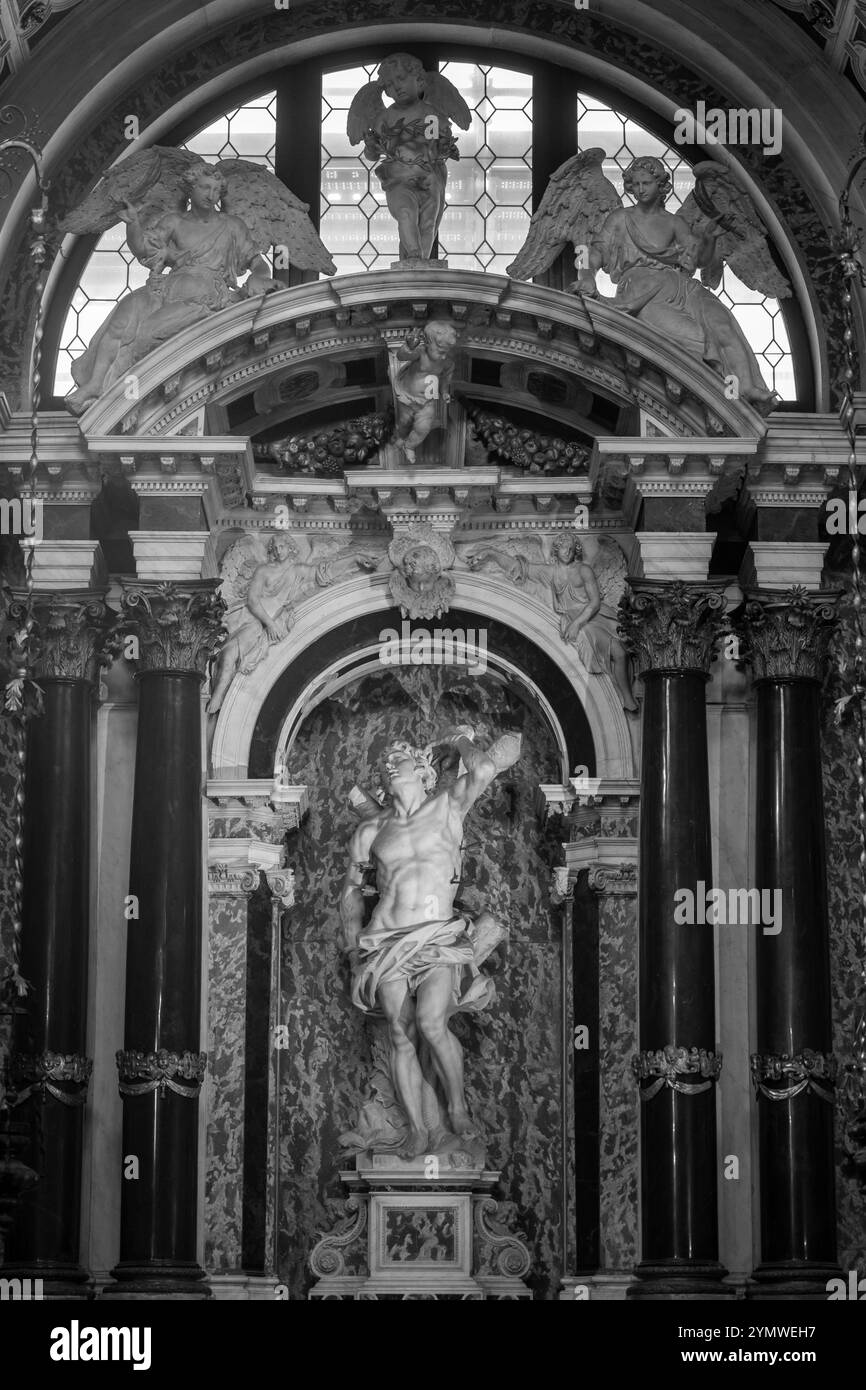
x: 426, y: 1228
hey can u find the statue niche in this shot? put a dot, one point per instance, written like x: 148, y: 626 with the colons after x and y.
x: 197, y: 227
x: 651, y: 255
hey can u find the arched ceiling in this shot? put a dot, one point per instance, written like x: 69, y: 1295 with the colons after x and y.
x: 159, y: 60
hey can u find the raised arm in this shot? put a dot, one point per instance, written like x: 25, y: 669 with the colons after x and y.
x: 481, y: 766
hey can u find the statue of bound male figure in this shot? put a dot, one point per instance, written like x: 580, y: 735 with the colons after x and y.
x: 418, y: 960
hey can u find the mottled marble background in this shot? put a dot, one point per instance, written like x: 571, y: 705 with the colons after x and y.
x: 846, y: 937
x: 512, y: 1052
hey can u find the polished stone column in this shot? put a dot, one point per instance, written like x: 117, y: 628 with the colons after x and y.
x: 671, y: 629
x: 786, y: 638
x: 49, y: 1066
x: 160, y: 1067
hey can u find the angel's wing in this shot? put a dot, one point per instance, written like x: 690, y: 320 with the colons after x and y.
x: 272, y: 214
x: 743, y: 243
x: 576, y: 202
x: 610, y: 568
x: 152, y: 181
x: 445, y: 97
x: 237, y: 568
x: 365, y: 109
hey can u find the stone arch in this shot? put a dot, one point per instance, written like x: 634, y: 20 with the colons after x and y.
x: 613, y: 734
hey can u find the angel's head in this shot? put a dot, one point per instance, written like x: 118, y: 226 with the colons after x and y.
x: 441, y: 335
x: 402, y: 77
x: 567, y: 547
x: 282, y: 547
x: 646, y: 178
x: 204, y: 186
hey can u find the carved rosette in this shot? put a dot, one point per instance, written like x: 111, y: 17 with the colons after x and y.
x: 613, y: 878
x: 178, y: 625
x: 802, y: 1071
x: 47, y: 1071
x: 667, y: 1066
x: 787, y: 635
x: 139, y: 1073
x: 670, y: 626
x: 72, y: 633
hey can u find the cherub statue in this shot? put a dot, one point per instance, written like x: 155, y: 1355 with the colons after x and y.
x: 584, y: 595
x: 409, y: 143
x: 651, y: 255
x: 261, y: 583
x: 168, y: 198
x: 421, y: 371
x: 418, y: 583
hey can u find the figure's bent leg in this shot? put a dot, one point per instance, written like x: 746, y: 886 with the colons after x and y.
x: 434, y: 1001
x: 399, y: 1010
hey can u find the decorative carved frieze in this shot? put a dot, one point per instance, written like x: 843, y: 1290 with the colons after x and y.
x: 667, y: 1066
x: 47, y: 1071
x: 72, y: 633
x: 801, y: 1071
x: 615, y: 879
x: 672, y: 626
x: 178, y: 626
x: 139, y: 1073
x: 787, y: 634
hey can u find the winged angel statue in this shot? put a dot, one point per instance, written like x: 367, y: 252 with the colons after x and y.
x: 409, y: 142
x: 584, y: 594
x: 262, y: 581
x: 168, y: 199
x: 651, y: 255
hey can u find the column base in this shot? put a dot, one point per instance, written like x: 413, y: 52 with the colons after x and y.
x: 157, y: 1279
x: 794, y: 1279
x: 50, y: 1279
x: 680, y: 1279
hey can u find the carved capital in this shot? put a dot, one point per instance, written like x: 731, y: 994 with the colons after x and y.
x: 225, y: 878
x: 613, y: 878
x: 666, y: 1066
x: 72, y: 634
x: 787, y: 635
x: 142, y: 1072
x: 47, y: 1071
x: 671, y: 626
x: 562, y: 887
x: 802, y: 1071
x: 178, y: 626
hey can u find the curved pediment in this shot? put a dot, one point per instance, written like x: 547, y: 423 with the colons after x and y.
x: 254, y: 346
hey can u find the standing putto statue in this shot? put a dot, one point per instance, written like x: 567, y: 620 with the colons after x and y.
x: 651, y: 255
x: 197, y: 227
x: 409, y: 143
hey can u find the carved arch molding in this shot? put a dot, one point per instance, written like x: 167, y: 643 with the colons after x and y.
x: 78, y: 160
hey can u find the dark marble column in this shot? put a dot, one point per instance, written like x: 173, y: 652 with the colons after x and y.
x: 160, y: 1066
x: 671, y: 629
x: 49, y: 1068
x: 786, y: 644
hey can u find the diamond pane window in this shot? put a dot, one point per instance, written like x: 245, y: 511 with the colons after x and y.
x: 355, y: 223
x: 249, y: 132
x: 490, y: 186
x: 759, y: 316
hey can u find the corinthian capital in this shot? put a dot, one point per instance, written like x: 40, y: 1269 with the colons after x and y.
x: 69, y: 632
x: 178, y: 626
x: 787, y: 634
x: 672, y: 626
